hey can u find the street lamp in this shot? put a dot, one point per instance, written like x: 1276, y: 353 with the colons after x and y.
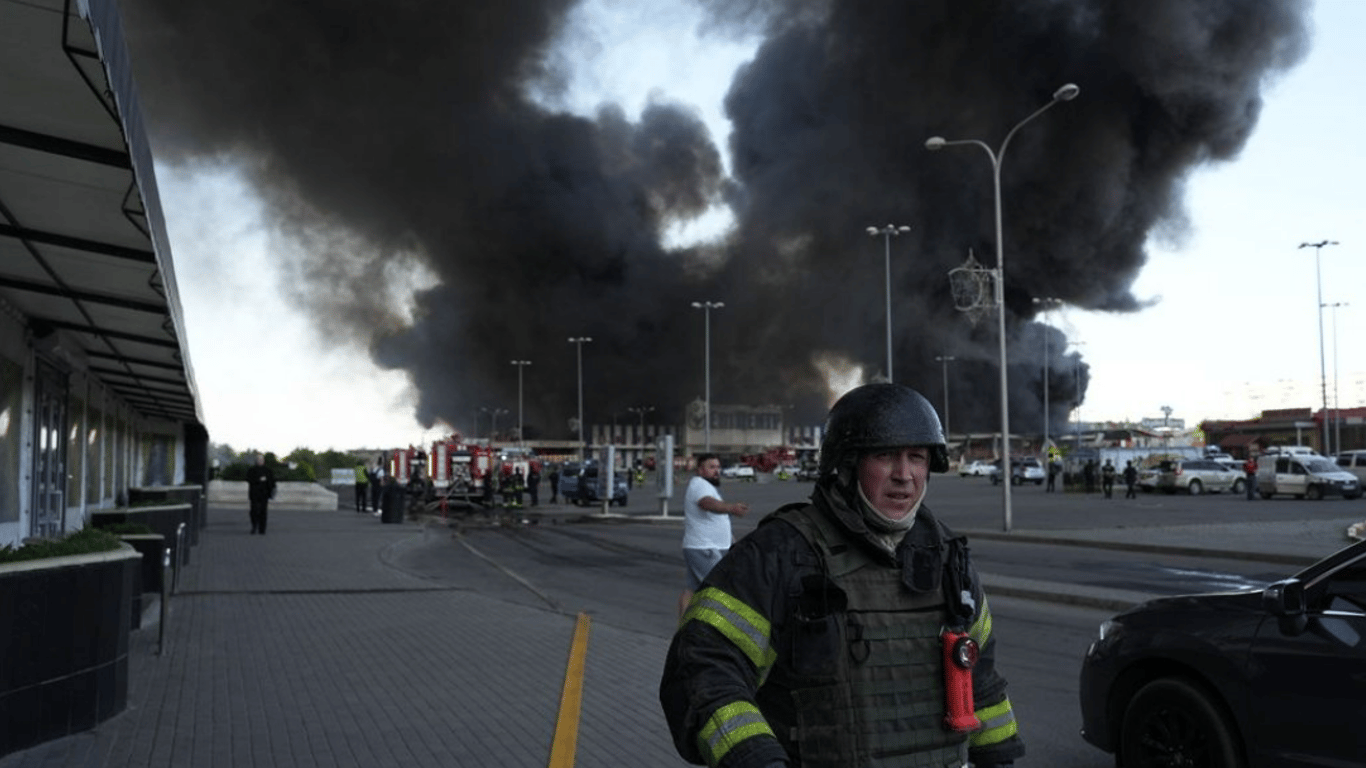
x: 521, y: 364
x: 1337, y: 404
x: 1323, y: 365
x: 1076, y: 384
x: 1047, y: 302
x: 707, y: 307
x: 1065, y: 93
x: 945, y: 359
x: 888, y: 232
x: 641, y: 410
x: 493, y: 421
x: 580, y: 341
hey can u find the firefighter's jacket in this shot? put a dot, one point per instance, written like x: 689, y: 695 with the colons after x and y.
x: 810, y: 645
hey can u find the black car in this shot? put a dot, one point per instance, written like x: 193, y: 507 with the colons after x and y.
x: 1255, y: 679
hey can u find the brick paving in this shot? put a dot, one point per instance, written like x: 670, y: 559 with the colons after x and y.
x: 310, y: 647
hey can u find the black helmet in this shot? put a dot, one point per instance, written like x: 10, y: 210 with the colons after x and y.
x: 877, y: 416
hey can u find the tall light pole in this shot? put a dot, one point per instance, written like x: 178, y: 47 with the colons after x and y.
x: 641, y: 410
x: 580, y: 341
x: 1323, y: 364
x: 1076, y: 383
x: 1167, y: 426
x: 888, y: 232
x: 1047, y: 302
x: 1337, y: 404
x: 945, y: 359
x: 521, y: 364
x: 1065, y: 93
x: 493, y: 421
x: 707, y: 307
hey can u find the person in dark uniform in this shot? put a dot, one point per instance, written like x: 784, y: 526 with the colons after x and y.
x: 533, y: 483
x: 260, y: 490
x: 1130, y: 477
x: 554, y: 484
x: 376, y: 484
x: 1107, y: 479
x: 851, y: 629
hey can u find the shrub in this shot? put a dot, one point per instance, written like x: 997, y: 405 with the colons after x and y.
x: 82, y: 542
x: 121, y: 529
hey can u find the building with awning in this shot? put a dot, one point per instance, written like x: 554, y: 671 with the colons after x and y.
x: 97, y: 394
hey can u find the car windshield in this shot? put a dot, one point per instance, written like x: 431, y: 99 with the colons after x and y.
x: 1319, y: 465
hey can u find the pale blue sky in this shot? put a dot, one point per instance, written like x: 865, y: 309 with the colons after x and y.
x: 1234, y: 329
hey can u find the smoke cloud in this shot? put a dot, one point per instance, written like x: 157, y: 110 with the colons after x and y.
x: 401, y: 135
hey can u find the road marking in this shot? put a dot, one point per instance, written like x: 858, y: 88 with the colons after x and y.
x: 567, y: 724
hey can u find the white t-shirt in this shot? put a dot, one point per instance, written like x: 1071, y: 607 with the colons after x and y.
x: 703, y: 529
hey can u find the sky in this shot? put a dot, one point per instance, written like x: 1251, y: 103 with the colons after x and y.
x: 1232, y: 327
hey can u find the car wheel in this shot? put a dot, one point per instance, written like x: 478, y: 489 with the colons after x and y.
x: 1195, y: 488
x: 1238, y: 486
x: 1314, y: 493
x: 1172, y: 722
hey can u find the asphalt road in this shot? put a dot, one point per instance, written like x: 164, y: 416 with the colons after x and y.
x: 627, y: 572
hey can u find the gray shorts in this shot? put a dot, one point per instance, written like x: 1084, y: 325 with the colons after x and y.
x: 699, y: 563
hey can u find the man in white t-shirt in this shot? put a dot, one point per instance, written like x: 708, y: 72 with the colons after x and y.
x: 706, y: 525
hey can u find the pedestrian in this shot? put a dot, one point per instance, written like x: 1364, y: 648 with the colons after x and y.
x: 362, y: 486
x: 533, y: 483
x: 554, y: 483
x: 850, y: 628
x: 706, y: 525
x: 376, y: 485
x: 1130, y: 478
x: 1107, y: 479
x: 1054, y: 467
x: 1088, y: 475
x: 260, y: 490
x: 518, y: 487
x: 1250, y: 472
x: 490, y: 486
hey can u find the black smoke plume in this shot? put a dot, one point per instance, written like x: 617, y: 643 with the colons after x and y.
x: 386, y: 135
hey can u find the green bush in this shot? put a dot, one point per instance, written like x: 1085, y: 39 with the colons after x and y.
x: 82, y: 542
x: 120, y: 529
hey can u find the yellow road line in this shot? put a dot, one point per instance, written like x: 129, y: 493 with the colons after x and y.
x: 567, y: 724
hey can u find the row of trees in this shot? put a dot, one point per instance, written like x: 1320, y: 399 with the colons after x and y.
x: 301, y: 464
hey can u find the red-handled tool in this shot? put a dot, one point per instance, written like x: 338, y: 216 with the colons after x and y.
x: 960, y: 656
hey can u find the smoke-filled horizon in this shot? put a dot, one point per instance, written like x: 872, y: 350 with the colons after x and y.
x: 403, y: 136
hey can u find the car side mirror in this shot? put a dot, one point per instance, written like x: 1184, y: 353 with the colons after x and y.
x: 1285, y: 600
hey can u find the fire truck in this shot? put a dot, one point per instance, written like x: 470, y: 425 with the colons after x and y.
x: 456, y: 470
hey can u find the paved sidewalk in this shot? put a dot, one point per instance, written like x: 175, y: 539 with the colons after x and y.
x: 310, y: 646
x: 307, y: 647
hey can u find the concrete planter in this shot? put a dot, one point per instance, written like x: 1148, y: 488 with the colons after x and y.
x: 64, y: 642
x: 193, y: 495
x: 150, y: 574
x: 164, y: 519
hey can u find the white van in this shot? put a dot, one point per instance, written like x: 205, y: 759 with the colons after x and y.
x: 1354, y: 462
x: 1304, y: 477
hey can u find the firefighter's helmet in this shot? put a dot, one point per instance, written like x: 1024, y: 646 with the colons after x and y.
x: 882, y: 415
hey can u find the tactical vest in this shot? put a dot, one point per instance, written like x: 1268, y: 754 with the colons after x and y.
x: 880, y: 702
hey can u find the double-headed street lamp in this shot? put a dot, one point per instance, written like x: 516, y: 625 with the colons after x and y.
x: 707, y: 307
x: 493, y: 422
x: 1323, y: 365
x: 1047, y: 302
x: 888, y: 232
x: 521, y: 364
x: 641, y: 410
x: 945, y: 359
x: 580, y: 341
x: 1065, y: 93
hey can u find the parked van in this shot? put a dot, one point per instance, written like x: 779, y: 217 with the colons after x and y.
x: 1304, y: 477
x: 1290, y: 450
x: 1354, y: 462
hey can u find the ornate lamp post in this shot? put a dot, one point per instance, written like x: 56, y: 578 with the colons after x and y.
x: 1065, y: 93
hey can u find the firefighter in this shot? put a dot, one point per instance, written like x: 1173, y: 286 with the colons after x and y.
x: 848, y: 628
x: 518, y: 487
